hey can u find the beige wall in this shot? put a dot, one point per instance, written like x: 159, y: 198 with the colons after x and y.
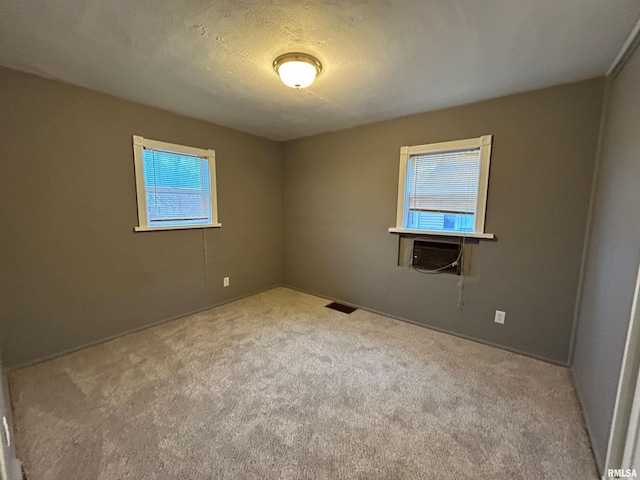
x: 340, y: 193
x: 73, y: 270
x: 612, y: 260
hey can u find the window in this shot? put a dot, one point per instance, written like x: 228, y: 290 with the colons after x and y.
x: 442, y: 188
x: 175, y: 185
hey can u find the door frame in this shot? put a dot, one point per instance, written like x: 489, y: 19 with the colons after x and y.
x: 625, y: 428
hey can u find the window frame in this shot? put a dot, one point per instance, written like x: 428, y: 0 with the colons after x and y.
x: 139, y: 143
x: 484, y: 144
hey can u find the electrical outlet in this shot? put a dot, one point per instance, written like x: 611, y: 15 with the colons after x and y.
x: 225, y: 281
x: 500, y: 317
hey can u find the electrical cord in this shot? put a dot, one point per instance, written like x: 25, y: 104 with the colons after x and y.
x: 437, y: 270
x: 204, y: 256
x: 461, y: 282
x: 461, y: 292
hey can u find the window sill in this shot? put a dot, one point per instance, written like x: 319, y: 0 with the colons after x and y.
x: 442, y: 234
x: 182, y: 227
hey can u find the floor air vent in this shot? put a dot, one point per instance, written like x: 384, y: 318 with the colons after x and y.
x: 341, y: 308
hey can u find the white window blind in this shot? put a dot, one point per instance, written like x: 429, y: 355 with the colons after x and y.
x: 444, y: 182
x: 177, y: 186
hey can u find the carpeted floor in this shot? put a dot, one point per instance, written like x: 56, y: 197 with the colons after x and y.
x: 276, y: 386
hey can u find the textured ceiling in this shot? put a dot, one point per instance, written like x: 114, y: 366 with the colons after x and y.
x: 381, y: 59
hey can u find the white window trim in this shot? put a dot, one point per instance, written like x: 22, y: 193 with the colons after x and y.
x: 138, y: 146
x: 484, y: 144
x: 442, y: 234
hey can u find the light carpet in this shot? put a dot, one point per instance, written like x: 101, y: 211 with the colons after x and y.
x: 275, y: 386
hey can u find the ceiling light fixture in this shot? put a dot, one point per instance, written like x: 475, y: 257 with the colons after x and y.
x: 297, y: 70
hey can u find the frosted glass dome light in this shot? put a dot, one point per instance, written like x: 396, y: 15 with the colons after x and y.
x: 297, y: 70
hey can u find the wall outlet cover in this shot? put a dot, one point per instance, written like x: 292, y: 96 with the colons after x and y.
x: 500, y: 317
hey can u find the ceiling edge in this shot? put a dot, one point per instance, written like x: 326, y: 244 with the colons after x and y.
x: 629, y: 46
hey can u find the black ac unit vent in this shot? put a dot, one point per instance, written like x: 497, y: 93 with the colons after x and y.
x: 440, y: 256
